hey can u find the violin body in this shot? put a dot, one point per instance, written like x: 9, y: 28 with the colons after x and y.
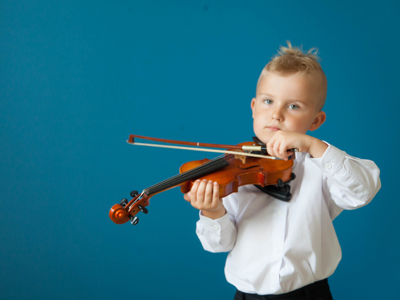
x: 242, y: 171
x: 230, y: 171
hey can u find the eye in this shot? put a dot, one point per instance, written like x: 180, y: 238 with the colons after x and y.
x: 268, y: 101
x: 294, y: 106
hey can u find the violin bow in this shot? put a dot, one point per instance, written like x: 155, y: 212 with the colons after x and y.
x: 260, y: 148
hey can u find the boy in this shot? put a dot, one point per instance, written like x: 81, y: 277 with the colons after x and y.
x: 286, y: 250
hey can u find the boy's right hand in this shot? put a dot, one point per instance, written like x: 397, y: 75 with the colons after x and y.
x: 204, y: 196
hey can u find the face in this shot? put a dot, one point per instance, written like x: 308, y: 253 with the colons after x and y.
x: 285, y: 102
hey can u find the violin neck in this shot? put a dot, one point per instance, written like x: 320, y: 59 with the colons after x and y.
x: 211, y: 166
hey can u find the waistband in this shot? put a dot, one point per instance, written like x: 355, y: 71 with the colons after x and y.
x: 304, y: 291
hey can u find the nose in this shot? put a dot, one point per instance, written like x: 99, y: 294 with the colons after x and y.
x: 277, y: 114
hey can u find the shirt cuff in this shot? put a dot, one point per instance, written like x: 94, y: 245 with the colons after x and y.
x: 331, y: 161
x: 214, y: 225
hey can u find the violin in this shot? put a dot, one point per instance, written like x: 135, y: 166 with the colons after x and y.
x: 242, y: 164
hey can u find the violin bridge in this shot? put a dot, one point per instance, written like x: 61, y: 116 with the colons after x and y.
x: 242, y: 158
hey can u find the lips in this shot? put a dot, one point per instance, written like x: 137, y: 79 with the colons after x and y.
x: 273, y: 128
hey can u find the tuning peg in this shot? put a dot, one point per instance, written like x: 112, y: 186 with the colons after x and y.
x: 134, y: 220
x: 134, y: 194
x: 143, y: 209
x: 124, y: 202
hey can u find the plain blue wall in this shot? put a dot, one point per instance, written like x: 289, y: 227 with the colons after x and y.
x: 77, y: 77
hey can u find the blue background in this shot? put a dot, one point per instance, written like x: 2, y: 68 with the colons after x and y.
x: 77, y: 77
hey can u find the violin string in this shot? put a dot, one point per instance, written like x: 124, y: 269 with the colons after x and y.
x: 171, y: 180
x: 212, y: 165
x: 165, y: 184
x: 180, y: 178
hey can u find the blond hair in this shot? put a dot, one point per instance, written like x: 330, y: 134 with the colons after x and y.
x: 292, y: 60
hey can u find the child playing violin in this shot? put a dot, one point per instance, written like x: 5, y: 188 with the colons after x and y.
x: 278, y: 249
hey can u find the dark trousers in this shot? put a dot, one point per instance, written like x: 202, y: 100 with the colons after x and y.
x: 316, y: 291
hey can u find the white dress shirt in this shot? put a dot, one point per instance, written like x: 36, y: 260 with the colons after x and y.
x: 276, y: 246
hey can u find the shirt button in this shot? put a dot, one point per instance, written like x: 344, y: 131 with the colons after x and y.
x: 279, y: 213
x: 276, y: 252
x: 216, y: 227
x: 328, y: 166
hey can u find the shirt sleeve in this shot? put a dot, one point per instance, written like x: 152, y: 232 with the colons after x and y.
x: 217, y: 235
x: 349, y: 181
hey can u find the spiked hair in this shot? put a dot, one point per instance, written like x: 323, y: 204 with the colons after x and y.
x: 292, y: 60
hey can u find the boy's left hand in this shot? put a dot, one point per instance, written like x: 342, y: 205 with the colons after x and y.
x: 283, y: 141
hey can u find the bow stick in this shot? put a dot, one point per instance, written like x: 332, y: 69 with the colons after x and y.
x: 260, y: 148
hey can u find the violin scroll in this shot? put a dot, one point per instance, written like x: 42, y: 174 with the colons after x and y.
x: 126, y: 211
x: 118, y: 214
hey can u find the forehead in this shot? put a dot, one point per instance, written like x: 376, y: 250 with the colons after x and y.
x: 292, y: 86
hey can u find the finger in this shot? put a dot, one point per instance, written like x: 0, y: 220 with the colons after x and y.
x: 208, y: 193
x: 201, y: 191
x: 289, y: 153
x: 274, y: 144
x: 283, y: 150
x: 186, y: 197
x: 216, y: 198
x: 280, y: 146
x: 193, y: 191
x: 276, y: 149
x: 270, y: 147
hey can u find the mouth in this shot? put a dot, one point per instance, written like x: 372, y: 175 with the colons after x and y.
x: 273, y: 128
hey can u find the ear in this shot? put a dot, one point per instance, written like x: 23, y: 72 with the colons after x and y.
x: 318, y: 121
x: 253, y: 103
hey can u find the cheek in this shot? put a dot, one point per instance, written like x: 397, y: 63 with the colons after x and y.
x: 299, y: 125
x: 258, y: 120
x: 257, y: 125
x: 259, y: 115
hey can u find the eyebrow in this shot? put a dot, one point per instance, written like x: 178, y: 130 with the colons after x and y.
x: 263, y: 94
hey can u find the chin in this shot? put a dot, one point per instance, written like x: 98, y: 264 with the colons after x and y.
x: 263, y: 138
